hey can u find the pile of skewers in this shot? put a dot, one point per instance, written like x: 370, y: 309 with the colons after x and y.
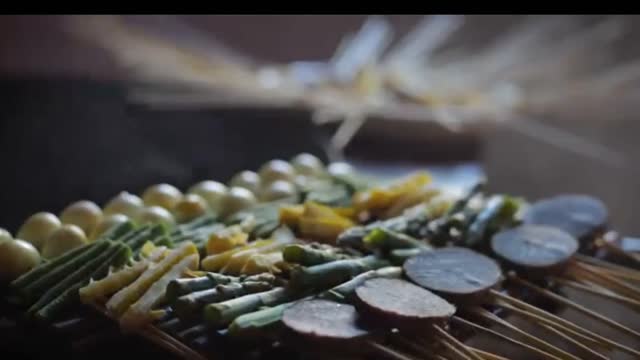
x: 342, y: 267
x: 544, y: 63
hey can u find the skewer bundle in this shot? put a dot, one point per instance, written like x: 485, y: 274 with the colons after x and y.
x: 540, y: 65
x: 399, y: 271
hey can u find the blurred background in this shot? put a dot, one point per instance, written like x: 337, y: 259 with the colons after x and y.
x: 70, y: 130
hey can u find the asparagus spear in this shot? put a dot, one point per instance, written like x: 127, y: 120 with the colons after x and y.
x: 179, y: 287
x: 462, y: 202
x: 411, y: 222
x: 386, y: 240
x: 262, y: 321
x: 333, y: 273
x: 399, y: 256
x: 456, y: 217
x: 499, y: 210
x: 345, y: 291
x: 189, y: 306
x: 258, y: 323
x: 306, y: 255
x: 223, y: 313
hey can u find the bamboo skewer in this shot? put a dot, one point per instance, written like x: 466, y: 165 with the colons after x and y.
x: 386, y: 351
x: 562, y: 300
x: 544, y: 321
x: 615, y: 249
x: 533, y: 349
x: 532, y: 339
x: 603, y: 263
x: 487, y: 355
x: 621, y: 274
x: 518, y: 303
x: 420, y: 349
x: 574, y: 342
x: 163, y: 339
x: 461, y: 347
x: 455, y: 350
x: 577, y: 270
x: 592, y: 279
x: 596, y: 291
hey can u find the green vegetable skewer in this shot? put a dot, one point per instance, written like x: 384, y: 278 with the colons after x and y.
x: 46, y: 268
x: 344, y: 292
x: 179, y: 287
x: 386, y: 240
x: 399, y: 256
x: 81, y: 273
x: 223, y: 313
x: 155, y: 231
x: 305, y: 255
x: 58, y: 273
x: 259, y: 323
x: 499, y: 211
x: 127, y: 237
x: 118, y: 258
x: 189, y: 306
x: 118, y: 231
x: 333, y: 273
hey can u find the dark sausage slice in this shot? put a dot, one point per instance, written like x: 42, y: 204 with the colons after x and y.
x: 323, y: 320
x: 454, y: 272
x: 534, y: 247
x: 581, y: 216
x: 402, y: 304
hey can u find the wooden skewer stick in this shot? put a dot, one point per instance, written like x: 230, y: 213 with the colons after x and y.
x: 593, y: 280
x: 533, y: 349
x: 574, y: 342
x: 616, y: 250
x: 462, y: 347
x: 518, y: 303
x: 590, y: 313
x: 532, y: 339
x: 455, y: 350
x: 154, y: 334
x: 596, y: 291
x: 487, y: 355
x: 161, y: 338
x: 542, y: 320
x: 386, y: 351
x: 418, y: 348
x: 606, y: 264
x: 577, y: 270
x: 440, y: 357
x: 622, y: 275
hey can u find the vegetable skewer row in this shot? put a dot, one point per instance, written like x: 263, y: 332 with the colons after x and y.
x: 458, y: 274
x: 252, y: 323
x: 540, y: 248
x: 470, y: 280
x: 559, y: 263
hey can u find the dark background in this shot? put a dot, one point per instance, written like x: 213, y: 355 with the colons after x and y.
x: 67, y: 131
